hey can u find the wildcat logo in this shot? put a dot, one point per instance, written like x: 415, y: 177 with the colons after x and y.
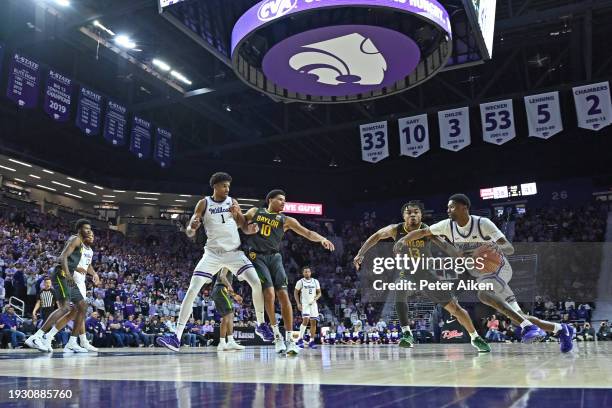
x: 349, y: 59
x: 272, y: 9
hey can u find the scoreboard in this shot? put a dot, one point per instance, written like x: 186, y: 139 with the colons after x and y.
x: 518, y: 190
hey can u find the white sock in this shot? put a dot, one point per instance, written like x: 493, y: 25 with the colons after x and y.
x: 406, y: 329
x: 222, y: 342
x: 302, y: 331
x: 230, y: 339
x: 289, y: 335
x: 474, y: 335
x: 83, y: 339
x: 525, y: 323
x: 39, y: 333
x: 275, y: 330
x: 179, y: 330
x: 51, y: 333
x: 73, y: 340
x: 558, y: 327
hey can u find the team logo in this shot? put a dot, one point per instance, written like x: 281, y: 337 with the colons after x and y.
x: 351, y: 58
x: 252, y: 255
x: 272, y: 9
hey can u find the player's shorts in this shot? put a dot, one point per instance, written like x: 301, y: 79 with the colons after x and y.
x: 310, y: 311
x: 223, y: 302
x: 500, y: 281
x: 212, y: 261
x: 64, y: 291
x: 270, y: 270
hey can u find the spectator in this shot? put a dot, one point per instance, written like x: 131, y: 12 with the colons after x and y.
x: 604, y: 332
x: 10, y: 326
x: 493, y: 333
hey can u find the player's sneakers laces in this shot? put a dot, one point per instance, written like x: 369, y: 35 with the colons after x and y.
x: 169, y: 342
x: 232, y: 345
x: 407, y: 340
x: 481, y: 345
x: 73, y: 347
x: 566, y: 335
x: 292, y: 349
x: 279, y: 345
x: 264, y: 331
x: 312, y: 345
x: 531, y: 334
x: 90, y: 347
x: 36, y: 342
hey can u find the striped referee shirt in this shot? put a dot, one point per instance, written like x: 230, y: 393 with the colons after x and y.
x: 46, y: 298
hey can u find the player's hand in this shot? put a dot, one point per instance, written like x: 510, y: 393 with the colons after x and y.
x: 235, y: 209
x: 357, y: 261
x: 252, y: 229
x: 327, y: 244
x: 238, y: 298
x: 195, y: 223
x: 397, y: 248
x: 299, y: 306
x: 96, y: 279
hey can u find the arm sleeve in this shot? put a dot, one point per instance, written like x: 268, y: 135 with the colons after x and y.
x: 489, y: 229
x: 440, y: 228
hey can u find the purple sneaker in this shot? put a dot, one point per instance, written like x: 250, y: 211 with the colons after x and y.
x: 566, y: 335
x: 300, y: 343
x: 531, y: 334
x: 169, y: 342
x: 312, y: 345
x: 263, y: 331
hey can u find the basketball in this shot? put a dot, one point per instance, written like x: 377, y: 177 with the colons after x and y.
x: 488, y: 260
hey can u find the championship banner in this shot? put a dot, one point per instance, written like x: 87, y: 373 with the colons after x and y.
x: 454, y: 129
x: 414, y: 135
x: 543, y: 115
x: 23, y: 81
x: 374, y: 143
x: 58, y: 94
x: 497, y: 122
x: 162, y: 153
x: 115, y: 123
x: 593, y: 106
x: 89, y: 110
x: 140, y: 143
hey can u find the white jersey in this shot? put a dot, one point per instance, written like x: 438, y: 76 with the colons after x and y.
x: 84, y: 262
x: 308, y: 289
x: 220, y: 226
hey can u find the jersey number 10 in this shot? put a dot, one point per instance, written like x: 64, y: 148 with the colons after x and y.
x: 266, y: 230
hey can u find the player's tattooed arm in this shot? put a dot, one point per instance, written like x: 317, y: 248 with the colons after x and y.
x: 294, y: 225
x: 72, y: 244
x: 251, y: 228
x: 411, y: 236
x: 387, y: 232
x: 196, y: 218
x: 446, y: 246
x: 506, y: 247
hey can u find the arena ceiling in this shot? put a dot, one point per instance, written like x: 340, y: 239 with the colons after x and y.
x: 221, y: 124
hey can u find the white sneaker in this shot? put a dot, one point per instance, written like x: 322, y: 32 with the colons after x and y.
x: 47, y: 343
x: 232, y: 345
x: 74, y: 348
x: 36, y: 342
x: 279, y: 345
x: 292, y: 348
x: 88, y: 346
x: 222, y: 347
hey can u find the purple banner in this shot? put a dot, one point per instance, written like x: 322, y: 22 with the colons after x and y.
x: 140, y: 143
x: 269, y: 10
x: 115, y: 123
x: 58, y: 94
x: 23, y: 81
x: 162, y: 153
x: 89, y: 111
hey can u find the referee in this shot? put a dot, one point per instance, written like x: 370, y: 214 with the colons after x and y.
x: 46, y: 301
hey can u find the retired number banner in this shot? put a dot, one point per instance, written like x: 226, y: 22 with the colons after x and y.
x: 543, y: 115
x: 497, y: 122
x: 374, y: 143
x: 454, y: 129
x: 414, y: 135
x: 593, y: 106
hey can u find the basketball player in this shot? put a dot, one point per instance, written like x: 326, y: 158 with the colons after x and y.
x: 221, y: 217
x: 76, y: 255
x: 307, y: 291
x: 412, y: 214
x: 222, y: 290
x: 264, y: 251
x: 467, y: 233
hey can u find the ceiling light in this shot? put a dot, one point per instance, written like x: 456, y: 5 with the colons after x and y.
x: 184, y: 195
x: 18, y: 162
x: 76, y: 180
x: 34, y: 176
x: 119, y: 191
x: 180, y: 77
x: 98, y: 187
x: 109, y: 196
x: 181, y: 201
x: 20, y: 180
x: 141, y: 192
x: 227, y: 107
x: 48, y: 188
x: 145, y: 198
x: 161, y: 65
x: 125, y: 42
x: 63, y: 3
x: 333, y: 163
x: 48, y: 171
x: 61, y: 184
x: 7, y: 168
x: 277, y: 159
x: 100, y: 26
x: 149, y: 204
x: 73, y: 195
x: 107, y: 201
x: 87, y: 192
